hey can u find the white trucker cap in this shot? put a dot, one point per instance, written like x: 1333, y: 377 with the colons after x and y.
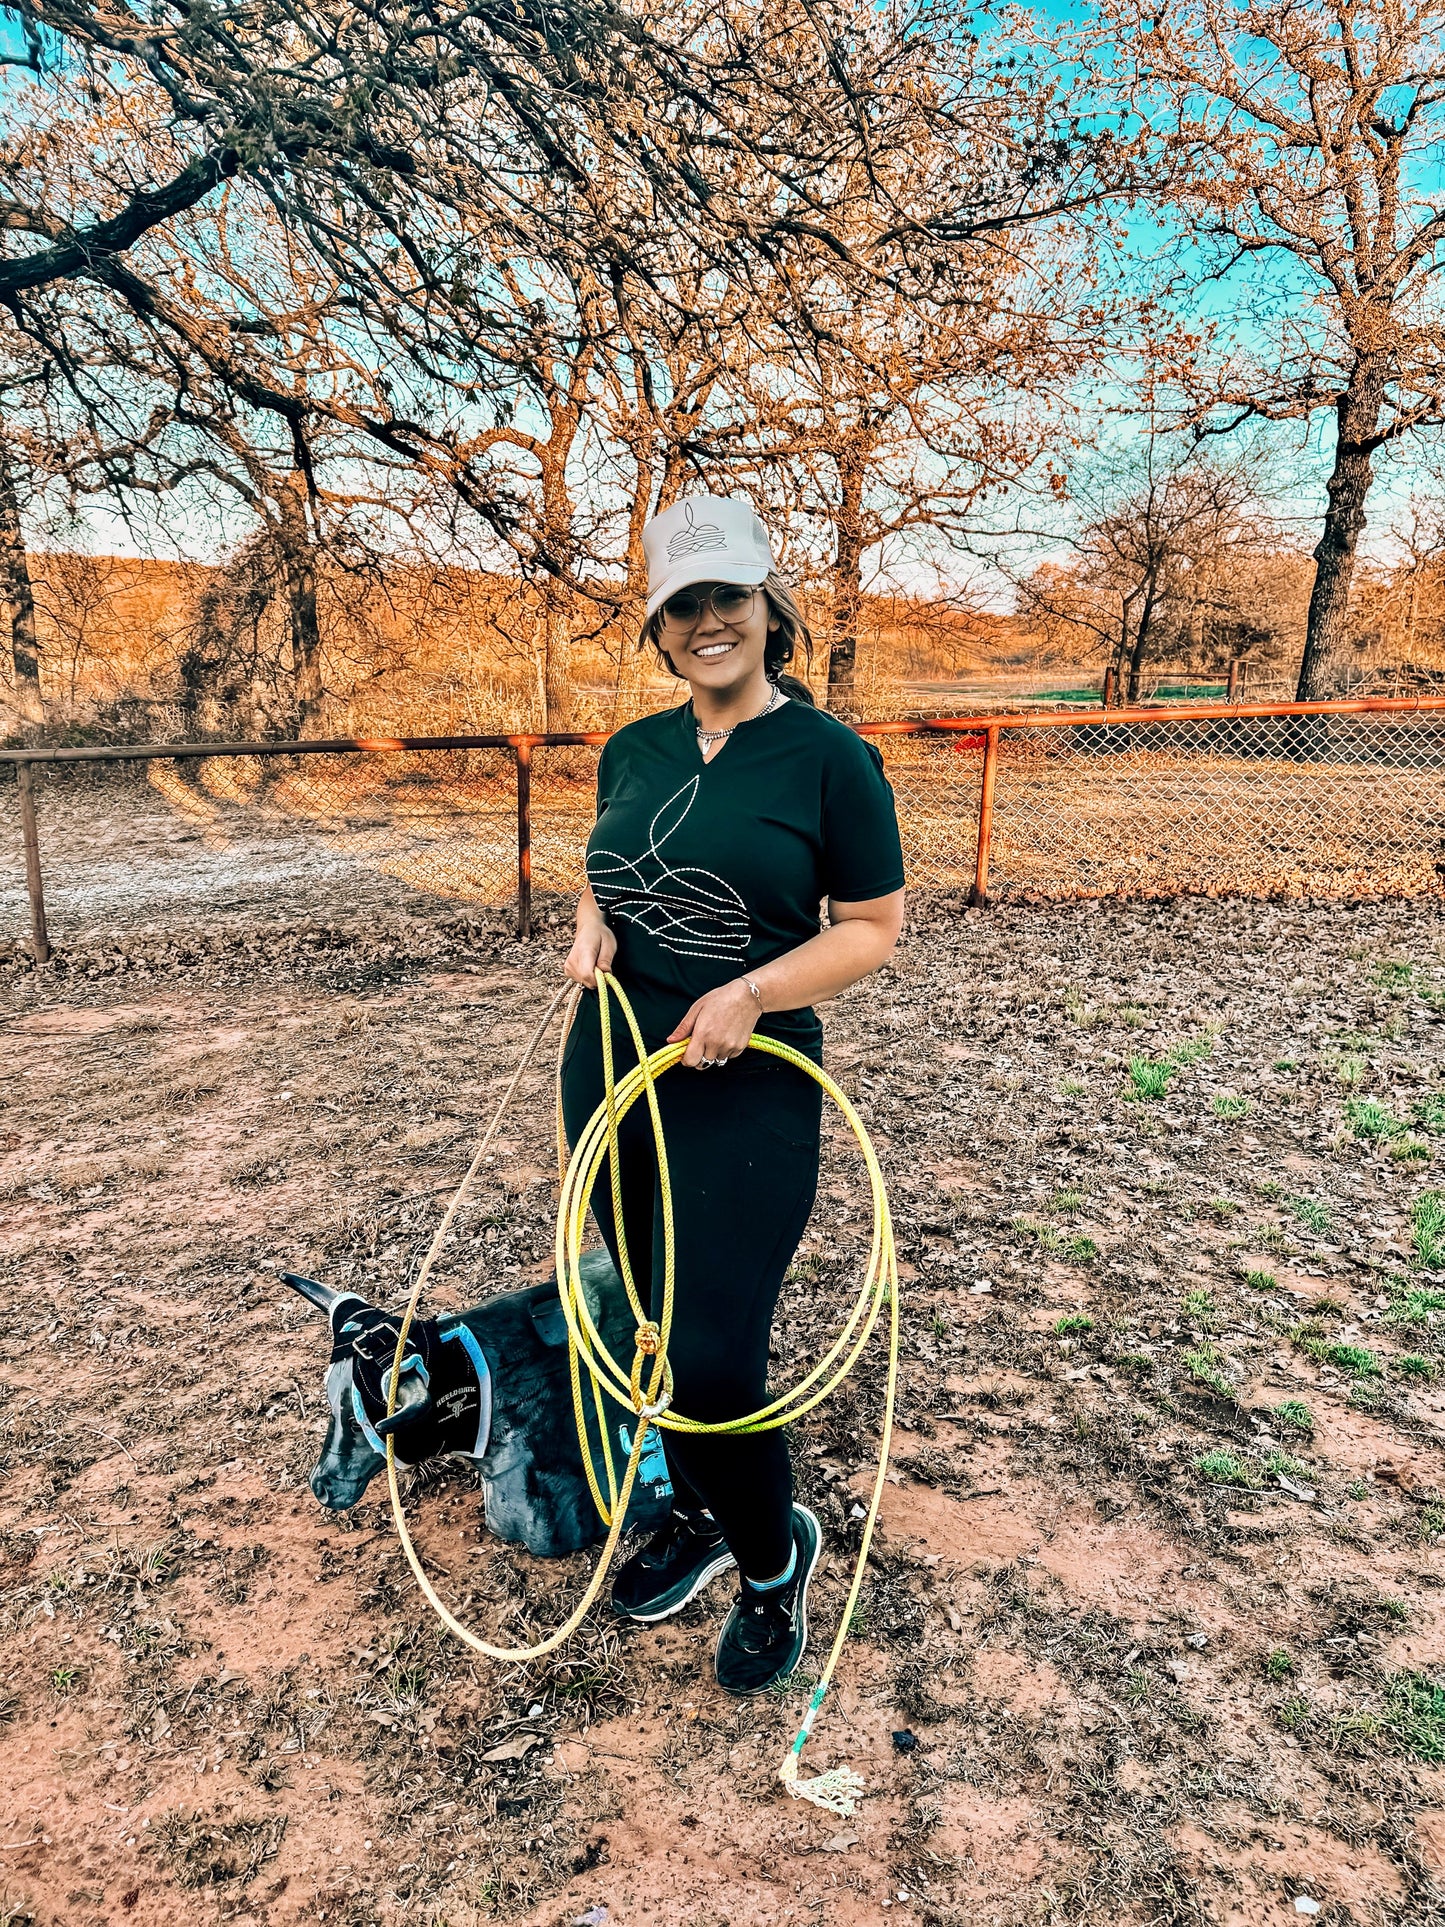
x: 704, y: 538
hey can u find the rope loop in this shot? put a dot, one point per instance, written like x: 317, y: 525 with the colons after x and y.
x: 598, y: 1143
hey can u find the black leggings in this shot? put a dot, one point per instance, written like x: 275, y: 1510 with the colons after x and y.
x: 742, y: 1154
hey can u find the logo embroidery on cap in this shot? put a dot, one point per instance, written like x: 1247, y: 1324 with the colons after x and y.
x: 696, y: 538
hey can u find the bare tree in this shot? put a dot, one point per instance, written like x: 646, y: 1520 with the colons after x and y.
x: 541, y: 130
x: 424, y: 184
x: 19, y: 598
x: 1162, y: 528
x: 74, y: 595
x: 1307, y: 132
x: 897, y: 430
x: 1399, y: 617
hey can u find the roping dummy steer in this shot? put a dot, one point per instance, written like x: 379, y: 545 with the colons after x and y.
x: 492, y: 1384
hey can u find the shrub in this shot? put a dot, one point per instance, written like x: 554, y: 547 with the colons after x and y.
x: 1369, y: 1119
x: 1416, y: 1715
x: 1312, y: 1216
x: 1150, y: 1078
x: 1294, y: 1416
x: 1206, y: 1367
x: 1355, y: 1360
x: 1412, y: 1365
x: 1223, y: 1468
x: 1427, y: 1230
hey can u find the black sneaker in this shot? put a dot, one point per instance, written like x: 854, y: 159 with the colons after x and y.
x: 765, y: 1634
x: 671, y: 1568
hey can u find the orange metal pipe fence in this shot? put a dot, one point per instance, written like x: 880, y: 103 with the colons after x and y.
x: 978, y: 896
x: 1111, y: 727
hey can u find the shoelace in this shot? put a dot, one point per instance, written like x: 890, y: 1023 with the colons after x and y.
x: 675, y: 1531
x: 768, y: 1620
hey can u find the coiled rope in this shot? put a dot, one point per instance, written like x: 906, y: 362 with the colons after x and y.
x: 646, y: 1388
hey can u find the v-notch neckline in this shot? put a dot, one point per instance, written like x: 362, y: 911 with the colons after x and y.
x: 690, y: 718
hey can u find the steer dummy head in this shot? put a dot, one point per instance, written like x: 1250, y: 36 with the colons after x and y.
x: 443, y: 1401
x: 493, y: 1384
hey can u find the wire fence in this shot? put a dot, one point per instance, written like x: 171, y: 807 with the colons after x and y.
x: 1321, y: 800
x: 1331, y: 805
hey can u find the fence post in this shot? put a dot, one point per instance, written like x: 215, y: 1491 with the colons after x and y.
x: 1235, y: 678
x: 30, y: 836
x: 1109, y: 682
x: 523, y: 753
x: 978, y: 895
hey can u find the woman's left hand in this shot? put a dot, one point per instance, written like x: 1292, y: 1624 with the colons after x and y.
x: 718, y: 1025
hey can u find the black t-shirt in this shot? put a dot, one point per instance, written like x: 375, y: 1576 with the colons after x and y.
x: 707, y: 870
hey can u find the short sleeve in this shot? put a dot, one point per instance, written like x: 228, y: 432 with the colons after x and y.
x: 862, y: 853
x: 606, y: 773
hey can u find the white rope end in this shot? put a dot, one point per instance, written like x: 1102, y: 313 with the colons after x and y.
x: 836, y: 1791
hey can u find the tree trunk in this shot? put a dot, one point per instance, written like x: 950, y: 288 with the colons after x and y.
x: 1140, y: 649
x: 556, y: 656
x: 1121, y: 647
x: 305, y: 633
x: 847, y: 584
x: 631, y: 666
x: 298, y: 568
x: 557, y: 546
x: 677, y: 472
x: 19, y: 598
x: 1325, y: 663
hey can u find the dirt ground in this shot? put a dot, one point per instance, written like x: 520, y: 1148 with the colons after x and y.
x: 1154, y: 1630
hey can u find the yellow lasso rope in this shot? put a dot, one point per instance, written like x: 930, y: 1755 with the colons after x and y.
x: 646, y: 1389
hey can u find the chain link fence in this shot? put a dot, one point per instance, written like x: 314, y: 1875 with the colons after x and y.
x: 1337, y: 800
x: 1333, y: 805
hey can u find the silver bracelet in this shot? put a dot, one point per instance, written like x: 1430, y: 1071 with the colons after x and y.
x: 756, y: 992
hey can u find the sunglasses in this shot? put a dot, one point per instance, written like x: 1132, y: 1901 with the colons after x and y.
x: 728, y: 601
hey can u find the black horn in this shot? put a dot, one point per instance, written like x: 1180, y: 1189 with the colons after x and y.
x: 325, y: 1297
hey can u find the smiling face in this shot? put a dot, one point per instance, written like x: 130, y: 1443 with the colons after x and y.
x: 716, y: 653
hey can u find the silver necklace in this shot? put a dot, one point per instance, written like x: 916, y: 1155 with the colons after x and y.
x: 706, y: 737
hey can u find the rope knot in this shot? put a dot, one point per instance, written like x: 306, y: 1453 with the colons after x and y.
x: 648, y: 1339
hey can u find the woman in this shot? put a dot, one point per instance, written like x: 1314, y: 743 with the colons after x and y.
x: 720, y: 827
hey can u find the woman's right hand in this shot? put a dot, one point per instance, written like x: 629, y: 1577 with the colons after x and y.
x: 593, y: 949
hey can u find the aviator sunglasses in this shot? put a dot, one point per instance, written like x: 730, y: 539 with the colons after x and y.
x: 729, y: 602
